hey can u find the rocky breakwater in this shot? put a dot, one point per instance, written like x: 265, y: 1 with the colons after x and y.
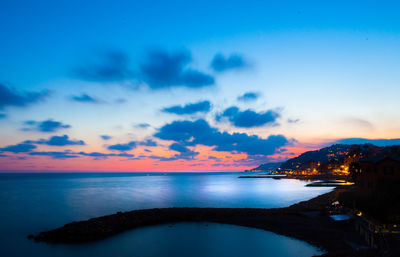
x: 294, y: 221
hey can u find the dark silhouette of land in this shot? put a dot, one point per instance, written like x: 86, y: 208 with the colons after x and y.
x: 305, y: 221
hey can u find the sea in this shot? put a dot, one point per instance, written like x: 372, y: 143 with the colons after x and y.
x: 35, y: 202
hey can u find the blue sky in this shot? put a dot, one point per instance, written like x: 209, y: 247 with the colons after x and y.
x: 320, y: 70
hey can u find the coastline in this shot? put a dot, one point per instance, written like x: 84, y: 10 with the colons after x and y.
x: 298, y: 177
x: 305, y: 221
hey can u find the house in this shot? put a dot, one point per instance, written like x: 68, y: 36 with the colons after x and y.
x: 374, y: 173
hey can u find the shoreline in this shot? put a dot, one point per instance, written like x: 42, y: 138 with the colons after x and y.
x: 305, y: 221
x: 298, y: 177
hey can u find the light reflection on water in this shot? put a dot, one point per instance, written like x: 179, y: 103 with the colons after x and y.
x: 194, y: 240
x: 35, y: 202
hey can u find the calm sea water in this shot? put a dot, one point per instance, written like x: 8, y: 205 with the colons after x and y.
x: 31, y: 203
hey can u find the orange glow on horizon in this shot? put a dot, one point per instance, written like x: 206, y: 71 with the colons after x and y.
x: 144, y: 161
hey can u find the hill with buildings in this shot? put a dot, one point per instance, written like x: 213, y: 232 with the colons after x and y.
x: 335, y: 159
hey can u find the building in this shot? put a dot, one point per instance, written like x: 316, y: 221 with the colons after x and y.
x: 373, y: 173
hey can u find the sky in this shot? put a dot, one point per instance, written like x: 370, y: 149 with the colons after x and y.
x: 193, y: 85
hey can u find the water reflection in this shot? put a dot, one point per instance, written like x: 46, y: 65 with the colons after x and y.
x: 38, y: 202
x: 194, y: 239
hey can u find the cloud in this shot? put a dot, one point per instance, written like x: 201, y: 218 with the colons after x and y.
x: 57, y: 141
x: 191, y: 108
x: 12, y: 97
x: 184, y: 152
x: 178, y: 148
x: 120, y: 101
x: 85, y: 98
x: 360, y: 141
x: 165, y: 70
x: 358, y: 123
x: 123, y: 147
x: 293, y: 120
x: 255, y: 160
x: 57, y: 155
x: 19, y: 148
x: 222, y: 165
x: 248, y: 118
x: 30, y: 145
x: 110, y: 67
x: 161, y: 158
x: 105, y: 155
x: 45, y: 126
x: 142, y: 125
x: 70, y: 154
x: 131, y: 145
x: 105, y: 137
x: 220, y: 63
x: 248, y: 96
x: 148, y: 142
x: 191, y: 133
x: 160, y: 69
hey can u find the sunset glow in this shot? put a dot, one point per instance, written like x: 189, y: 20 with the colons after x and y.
x: 147, y: 90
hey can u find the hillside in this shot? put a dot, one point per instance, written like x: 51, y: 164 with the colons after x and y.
x: 335, y: 158
x: 267, y: 167
x: 334, y: 154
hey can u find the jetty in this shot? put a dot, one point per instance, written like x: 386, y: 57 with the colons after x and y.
x: 275, y: 176
x: 306, y: 221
